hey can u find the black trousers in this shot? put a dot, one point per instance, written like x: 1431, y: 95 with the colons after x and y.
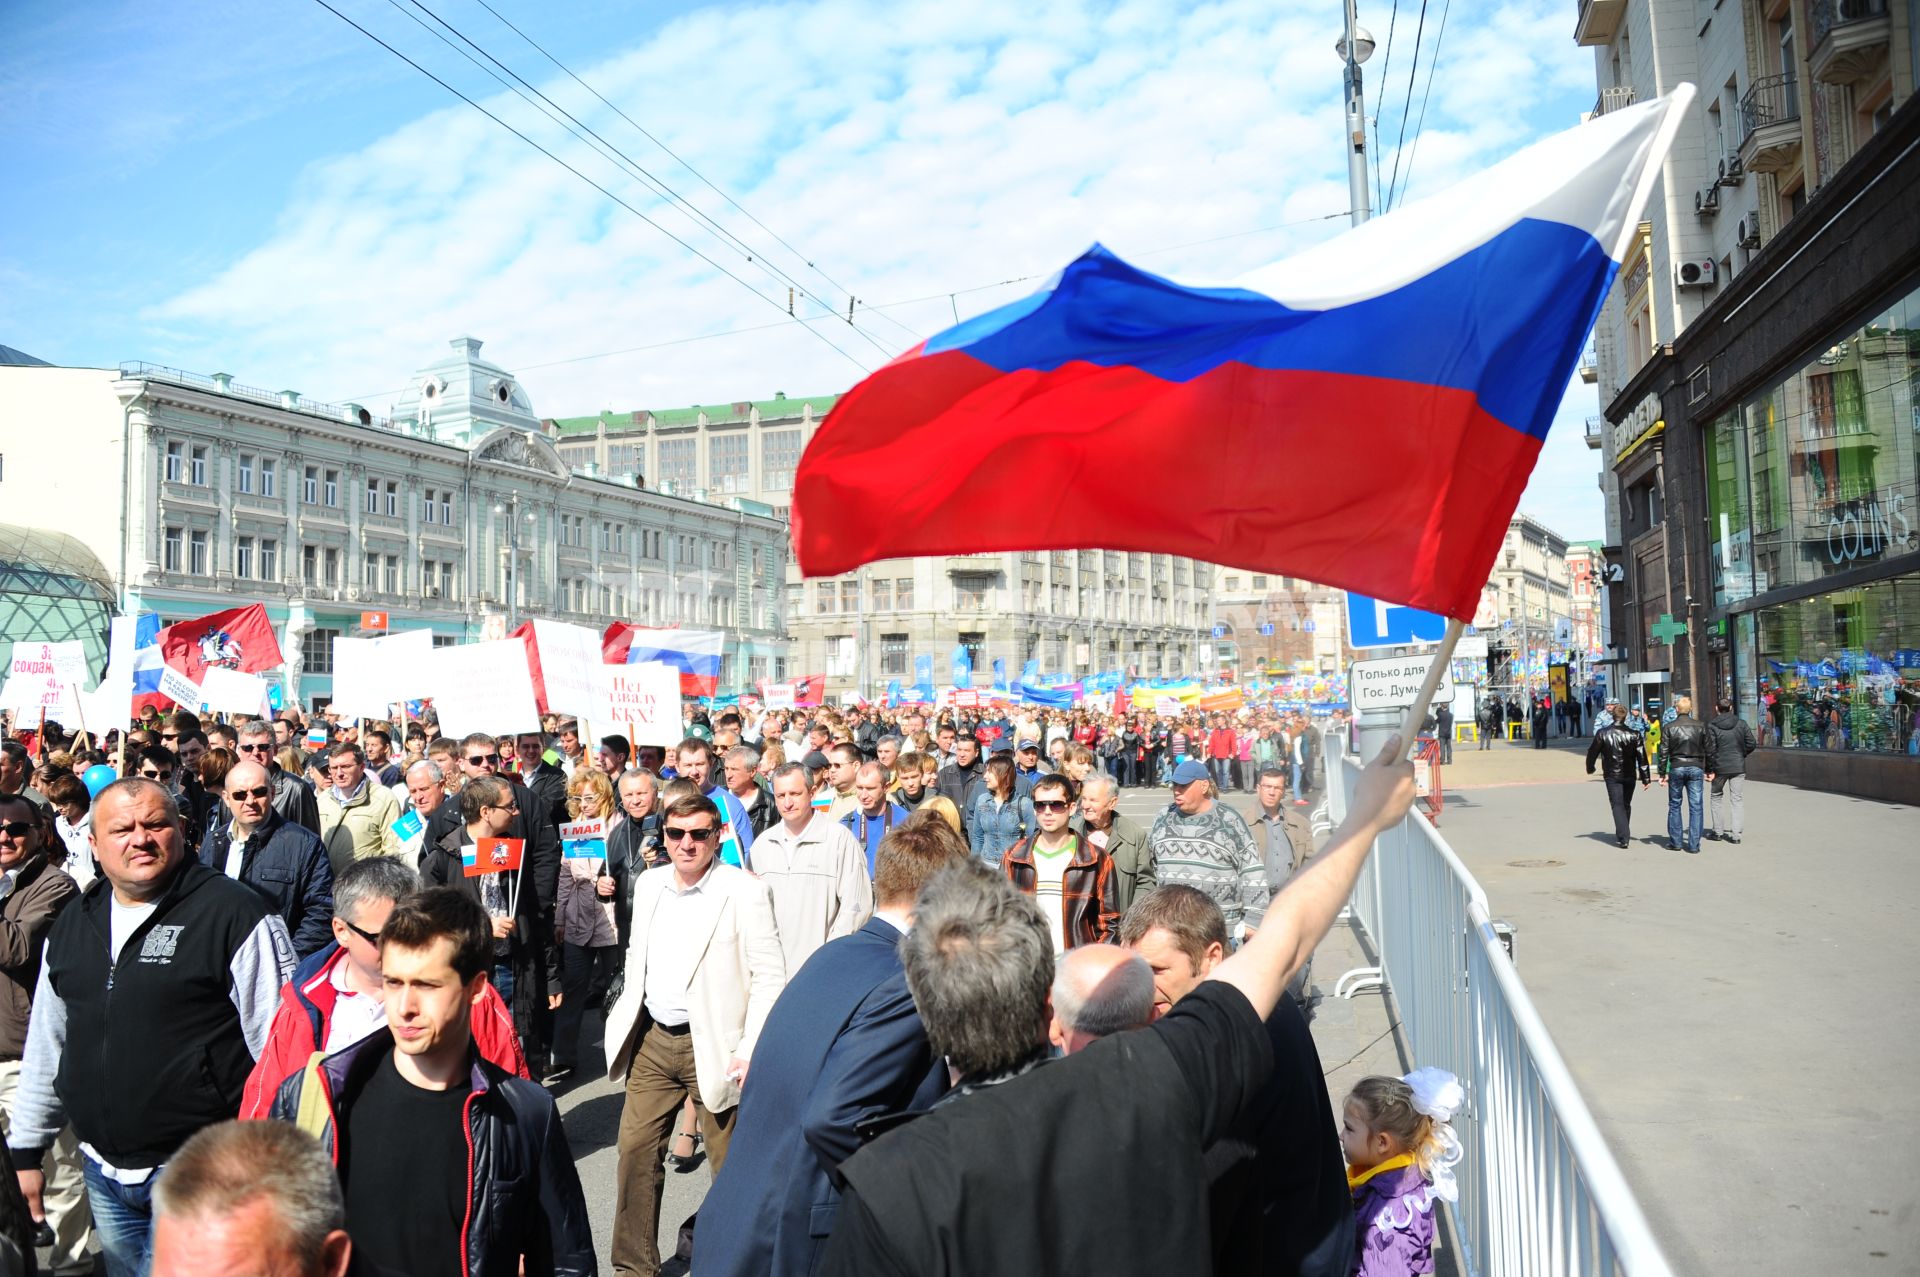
x: 584, y: 971
x: 1620, y: 798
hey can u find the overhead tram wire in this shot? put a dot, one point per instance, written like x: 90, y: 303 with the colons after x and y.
x: 1433, y: 63
x: 687, y: 164
x: 773, y: 302
x: 1386, y: 65
x: 875, y: 306
x: 1406, y: 110
x: 574, y: 125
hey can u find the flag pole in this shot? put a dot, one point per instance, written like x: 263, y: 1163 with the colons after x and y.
x: 1417, y: 712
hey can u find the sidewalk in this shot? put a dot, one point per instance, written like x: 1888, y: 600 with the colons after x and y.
x: 1740, y: 1021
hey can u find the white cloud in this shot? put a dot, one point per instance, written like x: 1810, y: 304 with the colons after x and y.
x: 937, y: 149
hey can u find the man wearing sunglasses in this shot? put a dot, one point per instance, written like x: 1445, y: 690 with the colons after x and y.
x: 285, y: 863
x: 704, y: 967
x: 292, y: 796
x: 1069, y: 877
x: 337, y: 997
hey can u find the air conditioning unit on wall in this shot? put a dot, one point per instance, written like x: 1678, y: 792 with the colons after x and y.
x: 1706, y: 201
x: 1700, y: 272
x: 1749, y: 230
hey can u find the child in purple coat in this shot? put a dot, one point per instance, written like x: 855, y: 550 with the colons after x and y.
x: 1400, y: 1158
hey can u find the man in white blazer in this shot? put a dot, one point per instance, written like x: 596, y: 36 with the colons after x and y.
x: 704, y: 966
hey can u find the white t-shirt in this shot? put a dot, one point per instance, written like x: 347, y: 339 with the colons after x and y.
x: 125, y: 920
x: 1050, y: 870
x: 236, y: 852
x: 355, y: 1015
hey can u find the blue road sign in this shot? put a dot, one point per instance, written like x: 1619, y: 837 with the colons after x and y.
x: 1266, y: 627
x: 1373, y: 623
x: 1219, y: 631
x: 1306, y: 627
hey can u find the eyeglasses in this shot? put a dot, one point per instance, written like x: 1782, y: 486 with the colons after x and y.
x: 154, y: 775
x: 258, y: 791
x: 169, y: 735
x: 698, y: 835
x: 477, y: 759
x: 512, y: 806
x: 261, y: 747
x: 371, y: 937
x: 17, y: 829
x: 1051, y: 804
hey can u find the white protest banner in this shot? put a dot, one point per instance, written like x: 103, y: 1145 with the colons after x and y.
x: 779, y: 696
x: 232, y: 692
x: 184, y: 691
x: 64, y: 662
x: 1392, y: 682
x: 641, y: 699
x: 482, y: 687
x: 1167, y: 706
x: 34, y: 695
x: 370, y: 674
x: 568, y: 655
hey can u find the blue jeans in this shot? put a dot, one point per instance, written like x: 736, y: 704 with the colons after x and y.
x: 1296, y: 780
x: 123, y: 1219
x: 1693, y: 780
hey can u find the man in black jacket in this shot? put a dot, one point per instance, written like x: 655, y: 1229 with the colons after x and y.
x: 1623, y: 758
x: 1683, y: 762
x: 1276, y: 1183
x: 163, y: 979
x: 448, y: 1162
x: 292, y: 795
x: 964, y: 777
x: 286, y: 863
x: 546, y: 781
x: 1730, y: 741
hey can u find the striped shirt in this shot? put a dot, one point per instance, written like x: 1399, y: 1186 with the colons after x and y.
x: 1213, y: 852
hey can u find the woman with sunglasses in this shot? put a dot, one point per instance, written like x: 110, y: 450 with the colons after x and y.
x: 583, y: 918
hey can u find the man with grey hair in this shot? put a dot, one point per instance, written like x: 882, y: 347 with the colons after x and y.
x: 1099, y: 821
x: 740, y: 771
x: 292, y: 795
x: 243, y: 1198
x: 338, y: 996
x: 164, y: 1019
x: 284, y: 862
x: 1098, y: 990
x: 426, y: 790
x: 969, y: 1187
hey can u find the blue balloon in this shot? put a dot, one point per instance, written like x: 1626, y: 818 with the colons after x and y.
x: 97, y: 778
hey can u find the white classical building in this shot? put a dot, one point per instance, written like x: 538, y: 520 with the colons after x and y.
x: 456, y: 514
x: 1076, y: 612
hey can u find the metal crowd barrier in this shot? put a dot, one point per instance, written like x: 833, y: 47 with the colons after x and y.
x: 1540, y: 1192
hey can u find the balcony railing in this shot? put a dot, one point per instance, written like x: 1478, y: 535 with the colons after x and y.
x: 1828, y: 14
x: 1613, y: 99
x: 1596, y: 431
x: 1773, y: 100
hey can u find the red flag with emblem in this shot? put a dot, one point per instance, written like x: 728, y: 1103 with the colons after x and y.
x: 239, y: 638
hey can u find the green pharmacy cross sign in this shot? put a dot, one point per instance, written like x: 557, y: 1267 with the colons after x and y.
x: 1666, y: 629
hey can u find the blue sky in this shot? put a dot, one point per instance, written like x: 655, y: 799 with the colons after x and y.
x: 257, y: 188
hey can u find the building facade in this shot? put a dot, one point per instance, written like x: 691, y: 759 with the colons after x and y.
x: 1527, y: 607
x: 1078, y: 612
x: 456, y: 514
x: 1760, y: 435
x: 1267, y: 626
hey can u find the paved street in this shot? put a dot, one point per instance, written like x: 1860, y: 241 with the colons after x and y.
x: 1741, y: 1021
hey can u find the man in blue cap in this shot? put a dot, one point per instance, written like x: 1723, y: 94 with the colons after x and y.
x: 1200, y: 842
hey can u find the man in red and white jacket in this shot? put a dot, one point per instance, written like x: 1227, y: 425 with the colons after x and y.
x: 336, y: 996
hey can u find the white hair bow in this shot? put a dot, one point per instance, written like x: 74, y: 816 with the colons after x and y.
x: 1439, y: 1095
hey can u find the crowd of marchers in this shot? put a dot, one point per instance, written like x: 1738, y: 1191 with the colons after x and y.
x: 903, y: 980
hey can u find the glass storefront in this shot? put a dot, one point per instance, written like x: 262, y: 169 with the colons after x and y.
x: 1820, y: 474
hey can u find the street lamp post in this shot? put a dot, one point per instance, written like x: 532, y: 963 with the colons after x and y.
x: 1355, y: 47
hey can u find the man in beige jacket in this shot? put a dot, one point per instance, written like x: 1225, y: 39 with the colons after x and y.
x: 704, y: 966
x: 356, y: 813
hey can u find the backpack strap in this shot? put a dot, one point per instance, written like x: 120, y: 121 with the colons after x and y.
x: 314, y: 1113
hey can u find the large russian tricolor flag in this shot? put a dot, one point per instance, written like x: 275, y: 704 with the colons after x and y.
x: 1364, y: 414
x: 695, y: 653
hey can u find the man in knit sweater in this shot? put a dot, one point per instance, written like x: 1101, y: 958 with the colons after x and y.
x: 1200, y: 842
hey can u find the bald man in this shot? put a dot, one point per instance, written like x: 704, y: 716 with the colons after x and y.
x: 284, y: 862
x: 1098, y: 990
